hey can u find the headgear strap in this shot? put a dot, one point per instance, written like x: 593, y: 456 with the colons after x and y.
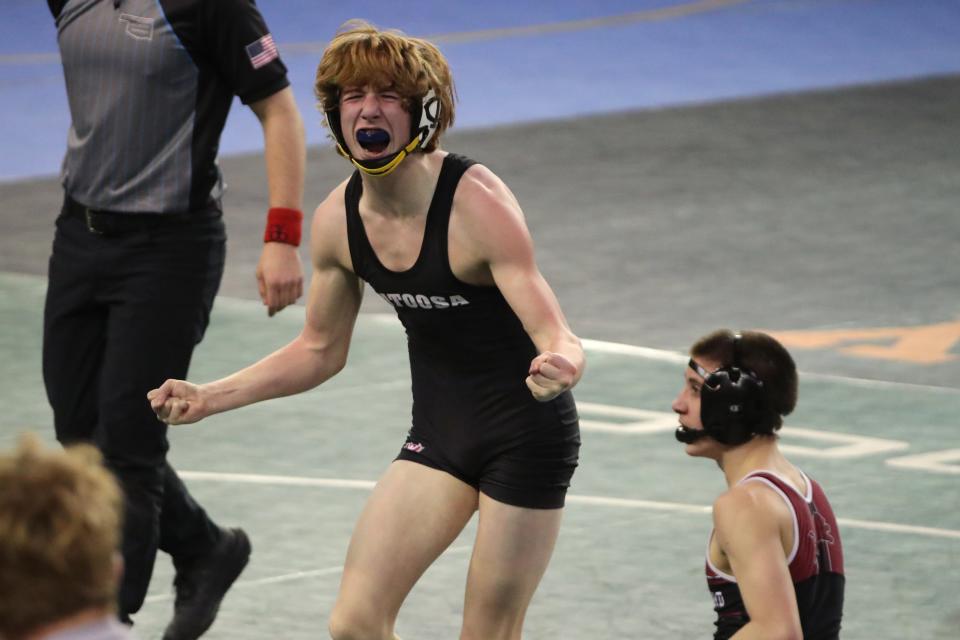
x: 424, y: 119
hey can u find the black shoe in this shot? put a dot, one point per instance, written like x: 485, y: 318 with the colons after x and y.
x: 201, y: 585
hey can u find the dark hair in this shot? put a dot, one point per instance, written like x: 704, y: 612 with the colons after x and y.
x: 765, y: 357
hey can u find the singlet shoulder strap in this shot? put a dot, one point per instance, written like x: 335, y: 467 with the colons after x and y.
x: 806, y: 494
x: 356, y: 234
x: 454, y: 166
x: 438, y: 219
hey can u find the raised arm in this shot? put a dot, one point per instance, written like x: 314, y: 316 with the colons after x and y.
x: 494, y: 228
x: 317, y: 354
x: 279, y: 274
x: 749, y: 520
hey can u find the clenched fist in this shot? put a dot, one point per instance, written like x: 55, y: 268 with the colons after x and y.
x: 550, y: 375
x: 178, y: 402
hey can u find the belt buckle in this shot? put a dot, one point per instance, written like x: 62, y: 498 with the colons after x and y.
x: 88, y: 216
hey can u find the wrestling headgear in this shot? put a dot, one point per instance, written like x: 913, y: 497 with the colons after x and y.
x: 424, y: 117
x: 732, y: 404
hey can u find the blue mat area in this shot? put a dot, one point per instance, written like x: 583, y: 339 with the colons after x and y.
x: 519, y: 62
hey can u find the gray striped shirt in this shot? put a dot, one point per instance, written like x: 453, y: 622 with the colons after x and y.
x: 150, y: 84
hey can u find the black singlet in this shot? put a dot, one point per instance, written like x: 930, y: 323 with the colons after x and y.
x: 473, y: 415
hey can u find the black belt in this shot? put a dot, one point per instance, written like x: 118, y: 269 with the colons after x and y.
x: 113, y: 223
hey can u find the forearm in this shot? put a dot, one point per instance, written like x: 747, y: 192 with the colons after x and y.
x: 284, y: 150
x: 292, y: 369
x: 531, y: 299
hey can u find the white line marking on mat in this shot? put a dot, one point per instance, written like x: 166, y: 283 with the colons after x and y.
x: 287, y: 577
x: 597, y: 346
x: 935, y: 461
x: 675, y: 357
x: 625, y: 503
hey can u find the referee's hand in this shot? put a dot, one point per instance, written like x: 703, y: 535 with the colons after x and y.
x: 279, y: 276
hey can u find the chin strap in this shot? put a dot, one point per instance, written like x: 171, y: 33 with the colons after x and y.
x: 689, y: 436
x: 383, y: 166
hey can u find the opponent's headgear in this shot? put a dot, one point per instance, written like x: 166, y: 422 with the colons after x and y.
x: 733, y: 406
x: 424, y: 117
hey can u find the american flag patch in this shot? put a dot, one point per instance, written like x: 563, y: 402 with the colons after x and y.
x: 262, y: 51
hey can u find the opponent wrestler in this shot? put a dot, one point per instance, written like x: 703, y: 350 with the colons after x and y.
x: 774, y: 559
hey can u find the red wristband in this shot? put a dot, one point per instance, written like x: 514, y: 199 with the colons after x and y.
x: 283, y: 225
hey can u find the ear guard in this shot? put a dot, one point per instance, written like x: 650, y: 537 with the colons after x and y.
x: 732, y: 404
x: 424, y: 119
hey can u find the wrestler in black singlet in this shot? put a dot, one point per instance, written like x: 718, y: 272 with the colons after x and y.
x: 473, y: 415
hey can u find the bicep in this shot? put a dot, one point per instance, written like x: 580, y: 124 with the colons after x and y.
x: 333, y: 303
x: 490, y: 226
x: 335, y: 292
x: 281, y: 103
x: 519, y: 279
x: 749, y: 535
x: 531, y: 298
x: 764, y: 580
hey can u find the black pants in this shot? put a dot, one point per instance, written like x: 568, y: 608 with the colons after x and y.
x: 123, y: 313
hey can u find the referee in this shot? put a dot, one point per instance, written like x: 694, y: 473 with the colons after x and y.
x: 139, y: 252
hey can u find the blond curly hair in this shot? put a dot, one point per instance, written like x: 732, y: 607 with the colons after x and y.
x: 60, y: 523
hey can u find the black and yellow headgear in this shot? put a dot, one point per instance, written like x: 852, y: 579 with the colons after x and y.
x: 424, y: 117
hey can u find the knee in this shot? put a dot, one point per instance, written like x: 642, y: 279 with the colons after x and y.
x: 496, y: 615
x: 355, y: 624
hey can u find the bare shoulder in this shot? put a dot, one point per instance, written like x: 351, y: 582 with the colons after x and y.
x: 486, y: 212
x: 481, y: 188
x: 328, y: 231
x: 332, y: 210
x: 748, y: 505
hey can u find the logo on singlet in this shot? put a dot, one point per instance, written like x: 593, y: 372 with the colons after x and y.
x: 823, y: 539
x: 718, y: 600
x: 416, y: 447
x: 420, y: 301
